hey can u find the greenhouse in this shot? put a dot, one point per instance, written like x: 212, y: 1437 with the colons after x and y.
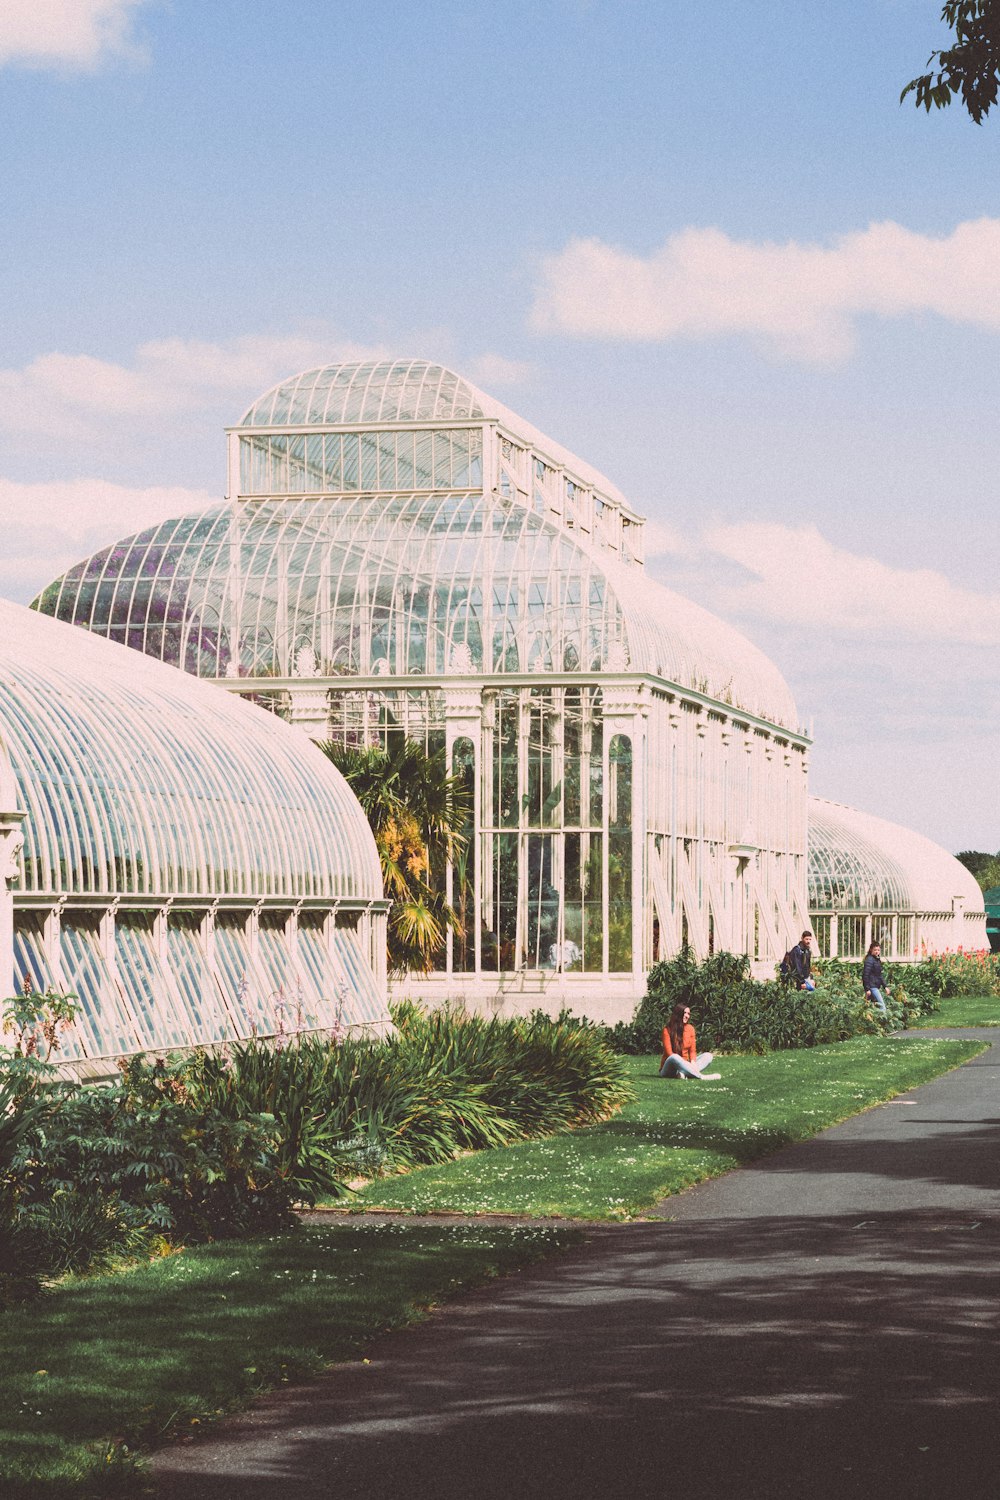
x: 399, y: 554
x: 182, y: 862
x: 875, y: 881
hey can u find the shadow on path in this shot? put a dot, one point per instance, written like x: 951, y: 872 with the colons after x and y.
x: 725, y: 1354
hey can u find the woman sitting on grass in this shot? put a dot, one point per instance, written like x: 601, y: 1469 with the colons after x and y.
x: 680, y: 1056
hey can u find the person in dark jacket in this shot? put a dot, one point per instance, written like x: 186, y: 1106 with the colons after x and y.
x: 873, y: 978
x: 801, y: 961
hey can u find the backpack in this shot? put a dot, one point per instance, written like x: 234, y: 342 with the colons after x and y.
x: 787, y: 968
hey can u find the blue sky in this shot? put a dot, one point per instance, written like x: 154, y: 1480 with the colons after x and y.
x: 702, y: 246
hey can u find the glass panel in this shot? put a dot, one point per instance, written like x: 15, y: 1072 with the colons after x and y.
x: 583, y: 946
x: 357, y: 982
x: 850, y: 937
x: 882, y: 934
x: 369, y: 461
x: 30, y: 959
x: 620, y: 855
x: 195, y: 982
x: 275, y: 959
x: 542, y: 921
x: 902, y: 937
x: 325, y: 999
x: 104, y: 1021
x: 146, y: 984
x: 464, y: 871
x: 248, y: 994
x: 501, y: 920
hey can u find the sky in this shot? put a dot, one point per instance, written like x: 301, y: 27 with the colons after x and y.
x: 705, y: 248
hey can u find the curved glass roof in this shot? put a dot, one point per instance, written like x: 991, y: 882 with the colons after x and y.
x: 386, y: 392
x: 377, y: 391
x: 863, y: 863
x: 138, y: 780
x: 403, y: 584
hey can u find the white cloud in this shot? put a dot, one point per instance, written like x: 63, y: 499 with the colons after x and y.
x: 76, y: 395
x: 800, y: 301
x: 794, y: 575
x: 48, y: 527
x: 78, y: 34
x: 662, y: 540
x: 495, y: 370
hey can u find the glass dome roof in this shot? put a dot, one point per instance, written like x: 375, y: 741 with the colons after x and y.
x: 138, y: 780
x: 395, y: 583
x: 378, y: 391
x: 384, y: 393
x: 863, y: 863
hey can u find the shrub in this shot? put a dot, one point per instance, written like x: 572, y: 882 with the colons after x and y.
x: 735, y: 1013
x: 100, y: 1173
x: 441, y: 1084
x: 963, y: 972
x: 909, y: 994
x: 211, y: 1146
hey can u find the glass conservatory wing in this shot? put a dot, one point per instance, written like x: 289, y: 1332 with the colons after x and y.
x: 138, y: 780
x: 867, y: 863
x: 671, y: 637
x: 396, y: 583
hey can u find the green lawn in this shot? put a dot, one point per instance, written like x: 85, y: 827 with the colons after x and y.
x: 674, y: 1133
x: 100, y: 1368
x: 963, y: 1010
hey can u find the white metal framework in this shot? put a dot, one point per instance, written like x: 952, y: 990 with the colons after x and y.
x: 187, y: 865
x: 875, y: 881
x: 399, y: 553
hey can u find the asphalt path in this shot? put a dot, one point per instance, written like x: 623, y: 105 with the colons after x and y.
x: 823, y: 1323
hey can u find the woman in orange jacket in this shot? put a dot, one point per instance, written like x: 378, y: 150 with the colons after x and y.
x: 681, y: 1058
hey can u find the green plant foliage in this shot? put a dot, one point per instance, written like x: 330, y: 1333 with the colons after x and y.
x: 984, y: 867
x: 442, y: 1084
x: 214, y: 1146
x: 961, y: 972
x: 102, y: 1369
x: 671, y: 1134
x: 970, y: 68
x: 33, y: 1025
x: 99, y: 1173
x: 735, y: 1013
x: 418, y: 813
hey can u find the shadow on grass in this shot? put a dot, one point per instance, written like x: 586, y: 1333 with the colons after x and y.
x: 132, y: 1356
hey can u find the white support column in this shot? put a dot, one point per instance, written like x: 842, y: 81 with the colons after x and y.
x: 463, y: 719
x: 52, y: 943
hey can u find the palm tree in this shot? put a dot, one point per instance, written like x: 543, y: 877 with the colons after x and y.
x: 418, y: 814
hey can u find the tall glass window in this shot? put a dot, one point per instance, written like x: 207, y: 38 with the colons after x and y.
x: 620, y: 854
x: 464, y: 868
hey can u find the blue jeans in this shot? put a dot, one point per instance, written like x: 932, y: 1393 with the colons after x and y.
x: 876, y: 999
x: 675, y: 1067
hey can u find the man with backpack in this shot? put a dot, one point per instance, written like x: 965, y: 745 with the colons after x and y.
x: 797, y: 962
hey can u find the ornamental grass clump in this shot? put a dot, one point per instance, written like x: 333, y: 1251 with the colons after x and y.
x: 440, y: 1085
